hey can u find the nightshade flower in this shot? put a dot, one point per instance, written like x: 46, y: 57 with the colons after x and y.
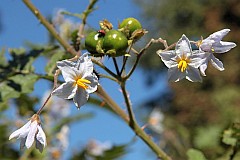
x: 214, y: 44
x: 30, y: 132
x: 155, y: 120
x: 79, y: 78
x: 97, y: 148
x: 183, y: 62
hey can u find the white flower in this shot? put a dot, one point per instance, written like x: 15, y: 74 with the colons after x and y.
x: 79, y: 78
x: 183, y: 62
x: 214, y: 44
x: 97, y: 148
x: 155, y: 120
x: 62, y: 137
x: 65, y: 26
x: 30, y: 132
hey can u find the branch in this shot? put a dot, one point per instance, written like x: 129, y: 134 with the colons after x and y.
x: 136, y: 128
x: 142, y: 51
x: 49, y: 27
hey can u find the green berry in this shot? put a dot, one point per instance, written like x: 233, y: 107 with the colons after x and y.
x: 131, y: 23
x: 92, y: 40
x: 115, y: 42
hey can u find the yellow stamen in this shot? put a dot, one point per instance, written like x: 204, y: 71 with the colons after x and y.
x: 212, y: 49
x: 81, y: 82
x: 182, y: 65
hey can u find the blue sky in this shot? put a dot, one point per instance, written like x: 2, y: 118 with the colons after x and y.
x: 19, y: 25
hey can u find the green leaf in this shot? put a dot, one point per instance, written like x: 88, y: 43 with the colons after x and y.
x: 3, y: 61
x: 69, y: 120
x: 25, y: 104
x: 51, y: 66
x: 25, y: 82
x: 231, y: 136
x: 17, y: 51
x: 194, y: 154
x: 7, y: 92
x: 207, y: 137
x: 228, y: 137
x: 113, y: 153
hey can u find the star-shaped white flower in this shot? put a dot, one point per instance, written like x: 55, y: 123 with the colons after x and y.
x: 214, y: 44
x: 183, y: 62
x: 30, y: 132
x: 79, y: 78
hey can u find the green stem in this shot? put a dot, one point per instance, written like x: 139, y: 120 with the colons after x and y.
x: 135, y: 127
x: 125, y: 58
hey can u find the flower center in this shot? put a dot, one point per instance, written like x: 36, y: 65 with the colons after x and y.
x: 182, y: 65
x: 81, y: 82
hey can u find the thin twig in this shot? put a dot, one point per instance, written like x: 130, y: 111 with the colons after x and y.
x: 44, y: 104
x: 135, y: 127
x: 108, y: 77
x: 142, y: 51
x: 125, y: 58
x: 104, y: 67
x: 49, y: 27
x: 132, y: 120
x: 116, y: 66
x: 84, y: 20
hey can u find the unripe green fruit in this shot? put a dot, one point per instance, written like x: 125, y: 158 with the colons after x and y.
x: 92, y: 40
x: 115, y: 40
x: 131, y: 23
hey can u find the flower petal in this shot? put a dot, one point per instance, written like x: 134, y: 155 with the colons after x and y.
x: 193, y: 75
x: 41, y: 137
x: 203, y: 68
x: 39, y: 146
x: 66, y: 90
x: 21, y: 132
x: 217, y: 63
x: 85, y: 65
x: 65, y: 63
x: 183, y: 46
x: 80, y: 97
x: 175, y: 75
x: 196, y: 59
x: 68, y: 72
x: 92, y: 87
x: 168, y: 58
x: 22, y: 142
x: 218, y: 36
x: 31, y: 135
x: 223, y: 47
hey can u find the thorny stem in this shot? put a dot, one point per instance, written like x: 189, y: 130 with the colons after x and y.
x: 135, y: 127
